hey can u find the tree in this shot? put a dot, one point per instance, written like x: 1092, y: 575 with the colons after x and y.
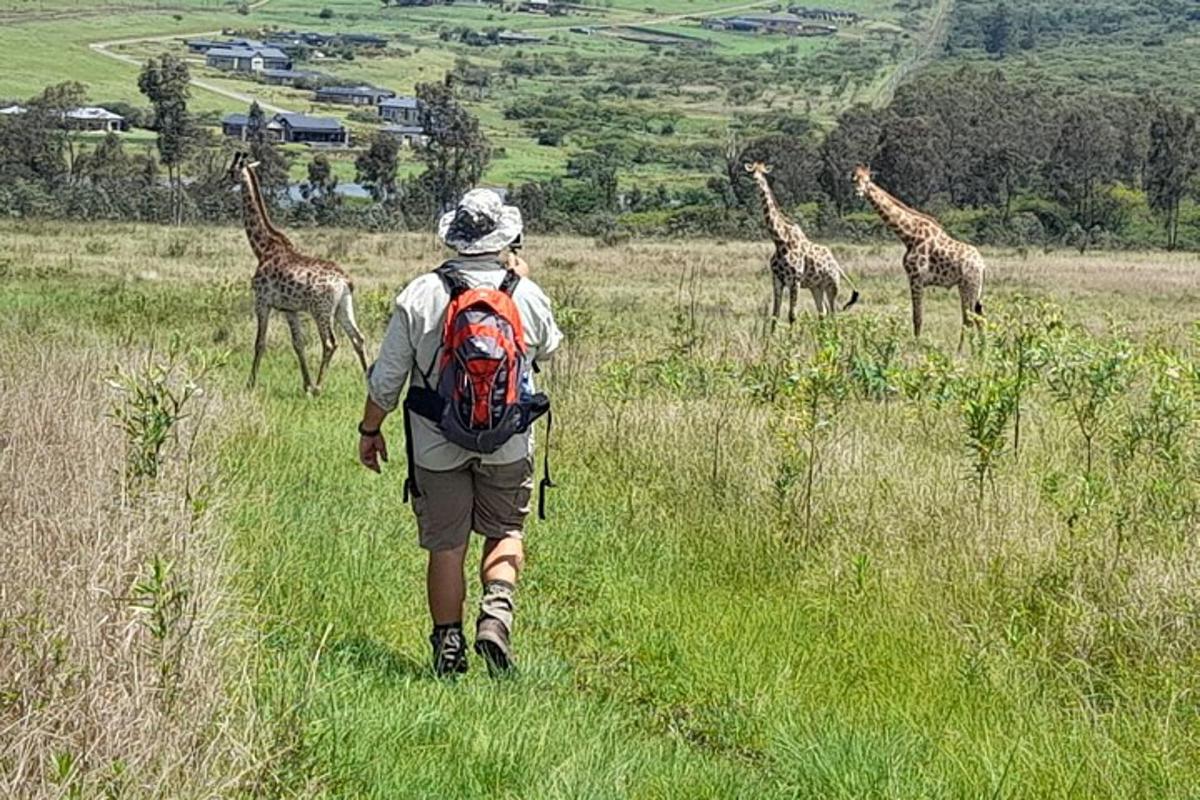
x: 1079, y: 169
x: 854, y: 141
x: 376, y: 168
x: 457, y: 151
x: 1170, y: 165
x: 321, y: 180
x: 36, y: 145
x: 598, y: 168
x: 997, y: 29
x: 165, y: 83
x: 795, y: 167
x: 108, y: 163
x: 272, y: 169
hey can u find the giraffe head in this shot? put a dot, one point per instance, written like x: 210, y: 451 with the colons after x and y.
x: 238, y: 167
x: 234, y: 173
x: 757, y: 168
x: 861, y: 177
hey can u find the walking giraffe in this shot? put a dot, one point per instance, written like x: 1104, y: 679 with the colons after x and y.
x: 933, y: 257
x: 289, y: 281
x: 797, y: 262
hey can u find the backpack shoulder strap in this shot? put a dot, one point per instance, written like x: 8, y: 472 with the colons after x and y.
x: 455, y: 283
x: 509, y: 284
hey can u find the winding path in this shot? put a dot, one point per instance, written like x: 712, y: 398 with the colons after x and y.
x: 924, y: 53
x: 102, y: 48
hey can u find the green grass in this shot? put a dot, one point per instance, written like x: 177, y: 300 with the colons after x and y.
x: 680, y: 634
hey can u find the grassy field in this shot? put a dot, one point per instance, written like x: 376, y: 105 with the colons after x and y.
x: 694, y: 621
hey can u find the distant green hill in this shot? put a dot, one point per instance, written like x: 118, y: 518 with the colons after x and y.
x: 1118, y: 45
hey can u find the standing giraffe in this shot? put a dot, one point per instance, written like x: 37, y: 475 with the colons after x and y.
x: 289, y: 281
x: 798, y: 262
x: 933, y: 257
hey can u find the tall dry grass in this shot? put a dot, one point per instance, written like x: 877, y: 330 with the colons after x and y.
x: 118, y: 648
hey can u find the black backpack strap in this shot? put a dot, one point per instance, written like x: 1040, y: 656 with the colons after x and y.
x: 547, y: 482
x: 410, y: 482
x: 509, y: 284
x: 455, y: 283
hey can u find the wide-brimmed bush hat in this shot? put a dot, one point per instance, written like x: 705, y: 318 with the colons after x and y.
x: 481, y: 223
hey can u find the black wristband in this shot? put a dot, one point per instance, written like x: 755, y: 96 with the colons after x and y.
x: 369, y: 434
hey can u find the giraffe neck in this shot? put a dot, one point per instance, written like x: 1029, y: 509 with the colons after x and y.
x: 904, y: 221
x: 265, y: 238
x: 782, y: 229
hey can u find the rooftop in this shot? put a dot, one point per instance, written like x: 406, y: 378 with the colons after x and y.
x: 348, y: 91
x: 247, y: 52
x: 92, y: 112
x: 400, y: 102
x: 305, y: 122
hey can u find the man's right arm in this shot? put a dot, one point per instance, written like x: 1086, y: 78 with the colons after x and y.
x: 389, y: 373
x: 385, y: 382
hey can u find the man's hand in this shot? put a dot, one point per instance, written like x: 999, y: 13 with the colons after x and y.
x: 517, y: 264
x: 372, y: 449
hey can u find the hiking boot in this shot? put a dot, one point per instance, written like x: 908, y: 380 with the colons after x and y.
x: 491, y: 642
x: 449, y: 650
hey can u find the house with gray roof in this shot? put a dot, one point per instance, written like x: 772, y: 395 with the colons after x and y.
x: 247, y: 59
x: 401, y: 110
x: 291, y: 128
x: 353, y: 95
x: 91, y: 118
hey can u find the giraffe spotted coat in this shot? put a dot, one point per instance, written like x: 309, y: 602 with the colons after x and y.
x: 932, y: 257
x: 293, y: 283
x: 798, y: 262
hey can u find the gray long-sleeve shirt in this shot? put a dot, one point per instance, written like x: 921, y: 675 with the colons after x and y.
x: 414, y: 338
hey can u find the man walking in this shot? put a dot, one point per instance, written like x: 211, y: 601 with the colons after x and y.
x: 468, y: 413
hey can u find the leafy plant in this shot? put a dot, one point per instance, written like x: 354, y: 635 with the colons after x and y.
x: 152, y: 402
x: 160, y: 598
x: 817, y: 392
x: 987, y: 401
x: 1085, y: 376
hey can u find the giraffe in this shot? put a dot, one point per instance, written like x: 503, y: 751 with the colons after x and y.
x: 933, y: 257
x: 289, y: 281
x: 797, y: 262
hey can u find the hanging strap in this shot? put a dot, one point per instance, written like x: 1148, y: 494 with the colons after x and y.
x: 509, y: 284
x: 410, y: 483
x: 547, y: 482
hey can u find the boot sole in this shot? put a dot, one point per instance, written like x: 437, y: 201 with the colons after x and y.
x: 498, y: 661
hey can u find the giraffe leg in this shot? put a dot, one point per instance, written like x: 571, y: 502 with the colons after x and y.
x: 793, y: 294
x: 345, y: 317
x: 969, y: 292
x: 777, y: 300
x: 818, y: 301
x: 328, y: 345
x: 263, y: 313
x: 918, y: 304
x: 831, y: 294
x: 298, y: 345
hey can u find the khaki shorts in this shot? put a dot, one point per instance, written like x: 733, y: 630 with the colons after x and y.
x: 490, y: 499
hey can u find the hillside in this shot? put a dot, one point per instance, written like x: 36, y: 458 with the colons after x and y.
x: 670, y: 103
x: 1120, y: 45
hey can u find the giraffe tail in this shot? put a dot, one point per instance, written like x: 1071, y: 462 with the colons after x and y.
x: 854, y: 295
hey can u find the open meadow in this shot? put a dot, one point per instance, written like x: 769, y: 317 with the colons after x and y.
x: 828, y: 563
